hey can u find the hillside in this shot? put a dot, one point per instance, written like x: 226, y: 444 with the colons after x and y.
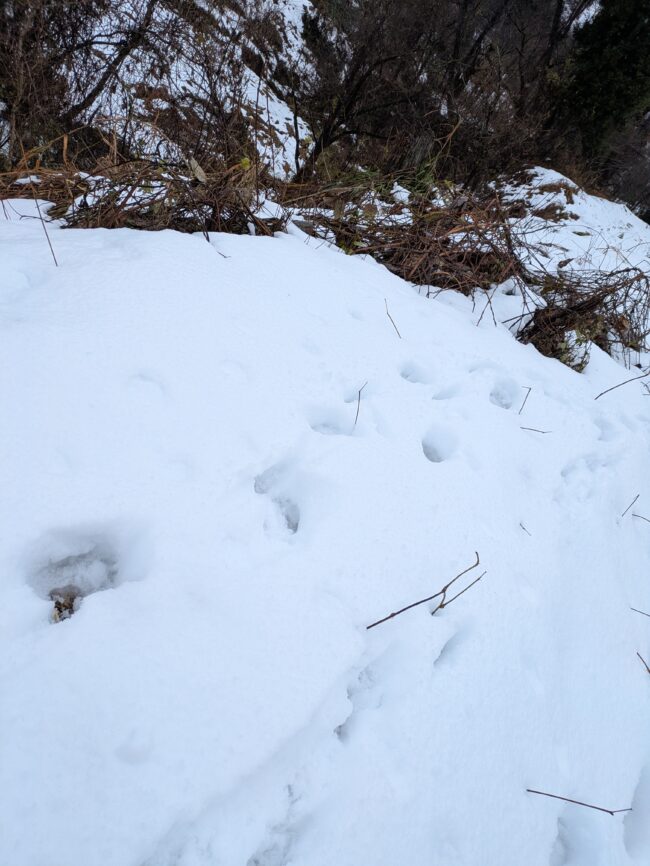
x: 221, y: 462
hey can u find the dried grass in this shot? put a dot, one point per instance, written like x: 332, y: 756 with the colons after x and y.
x: 465, y: 243
x: 146, y: 194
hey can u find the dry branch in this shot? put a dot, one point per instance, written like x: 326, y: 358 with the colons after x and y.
x: 630, y: 505
x: 528, y: 392
x: 392, y: 320
x: 644, y: 663
x: 356, y: 417
x: 578, y: 802
x: 620, y: 384
x: 442, y: 594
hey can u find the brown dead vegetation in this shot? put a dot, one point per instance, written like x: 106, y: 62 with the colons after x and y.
x: 463, y: 241
x: 609, y: 310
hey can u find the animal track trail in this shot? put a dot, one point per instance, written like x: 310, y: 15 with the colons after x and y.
x: 415, y: 373
x: 582, y: 839
x: 636, y: 824
x: 450, y: 648
x: 275, y: 482
x: 607, y: 430
x: 332, y: 423
x: 582, y: 477
x: 363, y: 695
x: 342, y: 420
x: 507, y: 394
x: 439, y: 444
x: 447, y: 393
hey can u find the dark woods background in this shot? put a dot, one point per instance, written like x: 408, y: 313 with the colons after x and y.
x: 457, y: 90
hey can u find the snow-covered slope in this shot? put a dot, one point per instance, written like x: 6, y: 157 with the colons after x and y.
x: 568, y: 228
x: 252, y: 449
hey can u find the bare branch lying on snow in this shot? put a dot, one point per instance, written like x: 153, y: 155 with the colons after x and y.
x: 630, y: 505
x: 578, y: 802
x: 620, y: 384
x: 644, y: 663
x: 442, y: 594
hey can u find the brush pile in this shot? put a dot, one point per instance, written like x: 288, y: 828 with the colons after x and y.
x: 147, y: 194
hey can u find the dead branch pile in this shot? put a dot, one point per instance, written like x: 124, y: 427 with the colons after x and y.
x: 147, y: 195
x: 608, y: 309
x: 464, y: 245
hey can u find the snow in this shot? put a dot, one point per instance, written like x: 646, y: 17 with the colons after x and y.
x: 239, y: 462
x: 591, y: 232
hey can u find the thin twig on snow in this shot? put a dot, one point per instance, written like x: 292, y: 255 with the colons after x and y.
x: 441, y: 593
x: 578, y: 802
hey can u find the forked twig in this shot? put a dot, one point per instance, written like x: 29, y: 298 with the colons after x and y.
x: 392, y: 320
x: 620, y: 384
x: 641, y: 517
x: 441, y: 593
x: 578, y: 802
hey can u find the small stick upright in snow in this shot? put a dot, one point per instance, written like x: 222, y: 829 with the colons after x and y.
x: 40, y: 216
x: 392, y: 320
x: 442, y: 592
x: 620, y: 384
x: 525, y: 399
x: 356, y: 417
x: 630, y: 505
x: 578, y: 802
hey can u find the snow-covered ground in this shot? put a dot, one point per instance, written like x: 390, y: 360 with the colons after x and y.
x: 585, y: 232
x: 241, y: 454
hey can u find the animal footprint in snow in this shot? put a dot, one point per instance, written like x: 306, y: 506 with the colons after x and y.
x: 581, y: 477
x: 636, y: 835
x: 412, y: 372
x: 332, y: 424
x: 69, y: 565
x: 505, y: 393
x: 447, y: 393
x: 439, y: 444
x: 363, y: 695
x: 274, y: 483
x: 607, y: 431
